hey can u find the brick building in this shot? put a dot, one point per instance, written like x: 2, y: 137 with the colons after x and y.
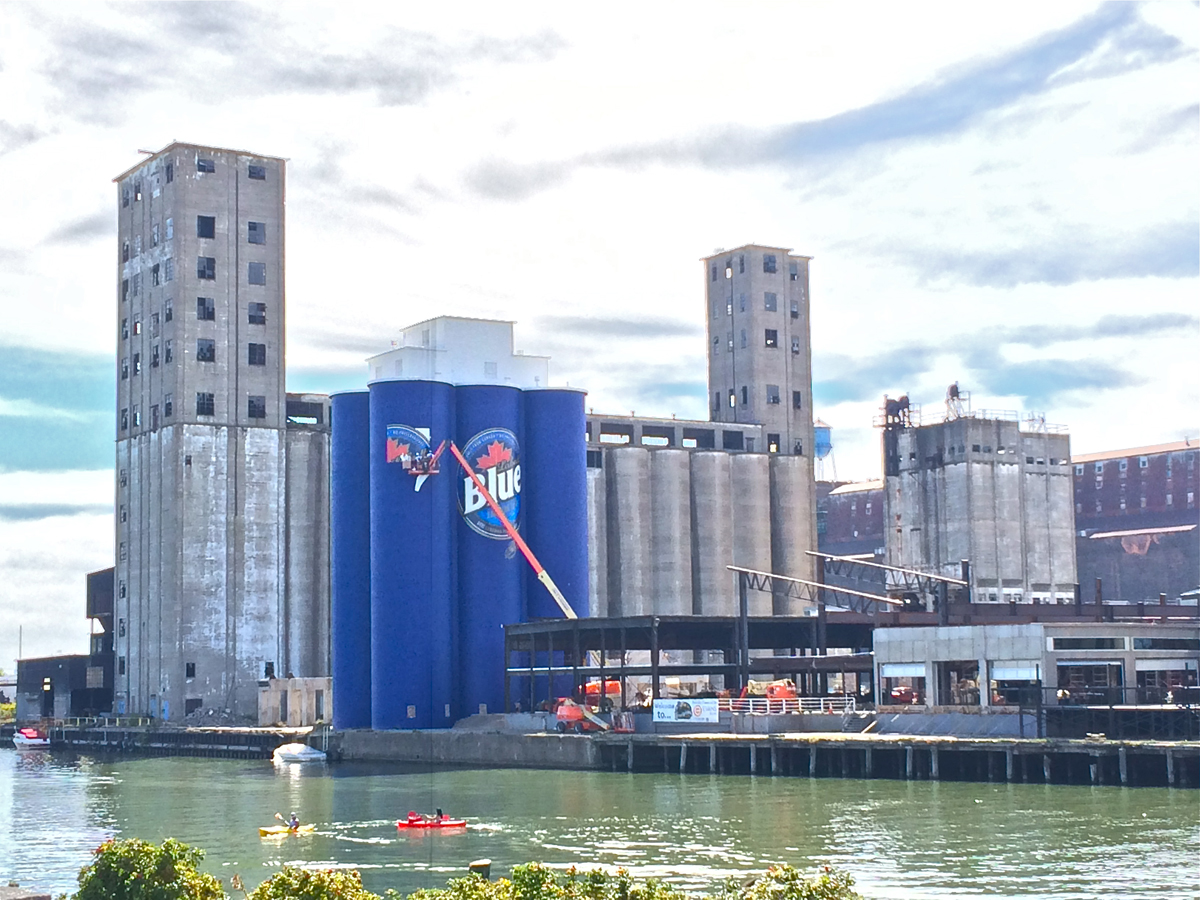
x: 1136, y: 519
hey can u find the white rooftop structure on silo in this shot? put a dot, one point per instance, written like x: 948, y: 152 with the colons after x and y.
x: 460, y: 350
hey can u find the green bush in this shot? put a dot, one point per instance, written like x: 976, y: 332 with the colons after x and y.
x: 138, y: 870
x: 784, y: 882
x: 539, y: 882
x: 300, y: 884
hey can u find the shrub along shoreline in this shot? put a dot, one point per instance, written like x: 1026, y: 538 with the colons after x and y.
x: 138, y: 870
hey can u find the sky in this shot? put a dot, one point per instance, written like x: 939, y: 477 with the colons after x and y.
x: 1002, y: 195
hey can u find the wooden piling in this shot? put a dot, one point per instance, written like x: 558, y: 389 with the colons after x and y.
x: 1046, y: 767
x: 712, y: 759
x: 812, y: 761
x: 869, y: 762
x: 1123, y: 762
x: 682, y: 758
x: 753, y: 759
x: 908, y: 763
x: 1009, y: 764
x: 934, y: 764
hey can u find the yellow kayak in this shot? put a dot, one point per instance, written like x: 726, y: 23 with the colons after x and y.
x: 282, y: 830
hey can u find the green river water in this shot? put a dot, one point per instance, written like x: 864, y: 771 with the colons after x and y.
x: 899, y: 839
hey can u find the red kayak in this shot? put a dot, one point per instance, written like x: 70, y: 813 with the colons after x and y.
x: 416, y: 820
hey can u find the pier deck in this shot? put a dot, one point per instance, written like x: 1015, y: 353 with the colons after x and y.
x: 936, y: 757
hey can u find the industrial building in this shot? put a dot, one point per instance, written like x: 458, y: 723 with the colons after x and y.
x: 982, y: 487
x: 1124, y: 663
x: 426, y: 571
x: 759, y: 344
x: 460, y: 350
x: 78, y: 684
x: 850, y: 519
x: 222, y: 486
x: 1137, y: 522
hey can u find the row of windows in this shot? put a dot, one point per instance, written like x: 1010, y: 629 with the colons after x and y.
x: 770, y: 339
x: 206, y: 270
x: 770, y: 304
x: 131, y: 417
x: 134, y: 192
x: 772, y: 397
x: 206, y: 351
x: 1123, y: 466
x: 206, y: 227
x: 206, y: 310
x: 768, y: 264
x: 1191, y: 501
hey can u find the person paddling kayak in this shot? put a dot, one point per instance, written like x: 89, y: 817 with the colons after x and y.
x: 293, y: 823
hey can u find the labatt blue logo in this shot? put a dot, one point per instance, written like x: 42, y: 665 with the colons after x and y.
x: 495, y: 457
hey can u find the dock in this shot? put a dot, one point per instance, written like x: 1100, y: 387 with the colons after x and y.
x: 218, y: 742
x: 812, y: 754
x: 1095, y: 761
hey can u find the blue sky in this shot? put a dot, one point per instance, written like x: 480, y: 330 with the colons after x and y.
x: 1008, y: 201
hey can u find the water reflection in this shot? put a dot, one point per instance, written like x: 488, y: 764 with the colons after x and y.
x: 901, y: 839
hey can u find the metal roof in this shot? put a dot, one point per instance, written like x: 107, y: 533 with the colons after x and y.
x: 1172, y: 447
x: 1169, y: 529
x: 856, y: 487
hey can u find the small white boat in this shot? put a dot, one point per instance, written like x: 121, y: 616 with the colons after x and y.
x: 30, y: 739
x: 297, y: 753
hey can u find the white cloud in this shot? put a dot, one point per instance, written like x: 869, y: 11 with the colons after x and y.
x: 919, y: 241
x: 44, y: 589
x: 86, y: 487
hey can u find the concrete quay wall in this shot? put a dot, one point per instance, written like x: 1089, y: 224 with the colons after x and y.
x: 468, y: 748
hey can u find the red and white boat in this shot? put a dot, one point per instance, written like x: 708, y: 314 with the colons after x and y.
x: 30, y: 739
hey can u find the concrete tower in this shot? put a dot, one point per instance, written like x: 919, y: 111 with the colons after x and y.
x: 759, y: 345
x: 985, y: 488
x: 201, y: 421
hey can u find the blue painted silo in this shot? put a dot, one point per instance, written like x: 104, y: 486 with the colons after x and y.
x: 490, y: 568
x: 555, y: 486
x: 412, y: 557
x: 350, y: 559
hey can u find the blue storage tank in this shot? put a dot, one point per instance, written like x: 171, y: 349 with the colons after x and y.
x: 555, y: 490
x: 823, y: 438
x: 412, y: 557
x: 490, y: 567
x: 350, y: 559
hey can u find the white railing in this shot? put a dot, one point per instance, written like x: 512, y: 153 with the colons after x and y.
x: 765, y: 706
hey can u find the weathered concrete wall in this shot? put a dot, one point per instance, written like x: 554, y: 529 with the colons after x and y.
x: 467, y: 748
x: 306, y: 509
x: 597, y: 513
x: 666, y: 523
x: 713, y: 591
x: 309, y: 702
x: 628, y: 506
x: 983, y: 490
x: 199, y: 531
x: 670, y: 533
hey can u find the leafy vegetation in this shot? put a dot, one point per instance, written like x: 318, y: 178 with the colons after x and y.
x: 137, y: 870
x: 300, y: 884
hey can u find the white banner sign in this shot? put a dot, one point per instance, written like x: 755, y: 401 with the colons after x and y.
x: 686, y: 710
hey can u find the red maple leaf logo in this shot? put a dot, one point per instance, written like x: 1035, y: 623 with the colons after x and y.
x: 496, y: 454
x: 396, y: 450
